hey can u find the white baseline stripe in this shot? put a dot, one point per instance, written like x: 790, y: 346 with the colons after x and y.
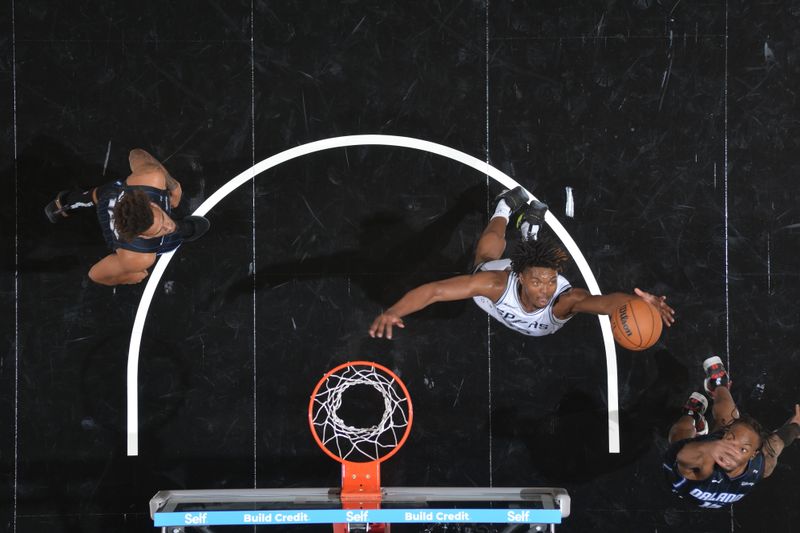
x: 365, y: 140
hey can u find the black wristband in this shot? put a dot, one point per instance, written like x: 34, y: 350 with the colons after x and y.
x: 75, y: 199
x: 788, y: 433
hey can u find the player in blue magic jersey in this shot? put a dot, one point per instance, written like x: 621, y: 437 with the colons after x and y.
x: 525, y: 293
x: 716, y: 469
x: 137, y: 216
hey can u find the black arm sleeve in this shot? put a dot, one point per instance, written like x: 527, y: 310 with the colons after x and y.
x: 788, y: 433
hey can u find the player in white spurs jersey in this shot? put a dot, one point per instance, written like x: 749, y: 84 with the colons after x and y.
x: 525, y: 292
x: 511, y: 312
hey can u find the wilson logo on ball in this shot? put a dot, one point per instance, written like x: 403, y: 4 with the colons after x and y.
x: 623, y: 320
x: 636, y: 325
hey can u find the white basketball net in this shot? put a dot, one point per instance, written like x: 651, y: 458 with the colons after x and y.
x: 354, y: 443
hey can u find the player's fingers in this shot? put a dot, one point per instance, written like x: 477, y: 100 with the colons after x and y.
x: 725, y: 459
x: 727, y: 452
x: 723, y: 446
x: 388, y: 328
x: 373, y: 329
x: 732, y: 450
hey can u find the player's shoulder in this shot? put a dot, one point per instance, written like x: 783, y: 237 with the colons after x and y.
x: 150, y: 176
x: 492, y: 275
x: 491, y: 279
x: 135, y: 261
x: 573, y: 294
x: 562, y: 281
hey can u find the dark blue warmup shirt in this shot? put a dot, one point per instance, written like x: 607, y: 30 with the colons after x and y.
x: 109, y: 195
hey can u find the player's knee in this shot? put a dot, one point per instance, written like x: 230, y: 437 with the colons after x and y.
x: 682, y: 429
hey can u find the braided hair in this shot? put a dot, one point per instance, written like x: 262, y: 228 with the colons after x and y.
x: 755, y: 425
x: 132, y: 215
x: 543, y: 253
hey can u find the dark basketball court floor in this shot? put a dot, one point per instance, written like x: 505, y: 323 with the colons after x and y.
x: 673, y: 123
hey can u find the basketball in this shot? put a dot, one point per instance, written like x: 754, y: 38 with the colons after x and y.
x: 636, y: 325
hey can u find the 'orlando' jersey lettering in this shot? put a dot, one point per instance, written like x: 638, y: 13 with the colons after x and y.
x: 508, y: 309
x: 718, y: 490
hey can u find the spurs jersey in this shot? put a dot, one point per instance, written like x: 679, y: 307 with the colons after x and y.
x: 718, y: 490
x: 508, y: 309
x: 109, y: 195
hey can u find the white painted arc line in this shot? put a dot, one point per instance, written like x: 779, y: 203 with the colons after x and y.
x: 365, y: 140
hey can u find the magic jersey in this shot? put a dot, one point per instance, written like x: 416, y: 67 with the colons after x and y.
x: 718, y: 490
x: 109, y: 195
x: 508, y: 309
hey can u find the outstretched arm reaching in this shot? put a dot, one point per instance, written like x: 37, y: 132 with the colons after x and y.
x: 780, y: 439
x: 580, y: 301
x: 489, y: 284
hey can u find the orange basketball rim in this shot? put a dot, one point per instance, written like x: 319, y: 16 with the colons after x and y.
x: 361, y: 450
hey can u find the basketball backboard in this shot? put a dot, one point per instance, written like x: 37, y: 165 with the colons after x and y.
x: 361, y: 503
x: 544, y: 507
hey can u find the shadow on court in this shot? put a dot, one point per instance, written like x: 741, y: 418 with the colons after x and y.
x: 570, y: 443
x: 387, y: 244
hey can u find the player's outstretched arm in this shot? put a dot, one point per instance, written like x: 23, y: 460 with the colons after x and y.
x: 696, y: 459
x: 147, y: 170
x: 580, y: 301
x: 121, y: 268
x: 489, y: 284
x: 780, y: 439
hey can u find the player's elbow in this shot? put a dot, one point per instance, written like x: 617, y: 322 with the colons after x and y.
x: 121, y: 268
x: 128, y: 278
x: 436, y: 292
x: 138, y: 153
x: 98, y: 278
